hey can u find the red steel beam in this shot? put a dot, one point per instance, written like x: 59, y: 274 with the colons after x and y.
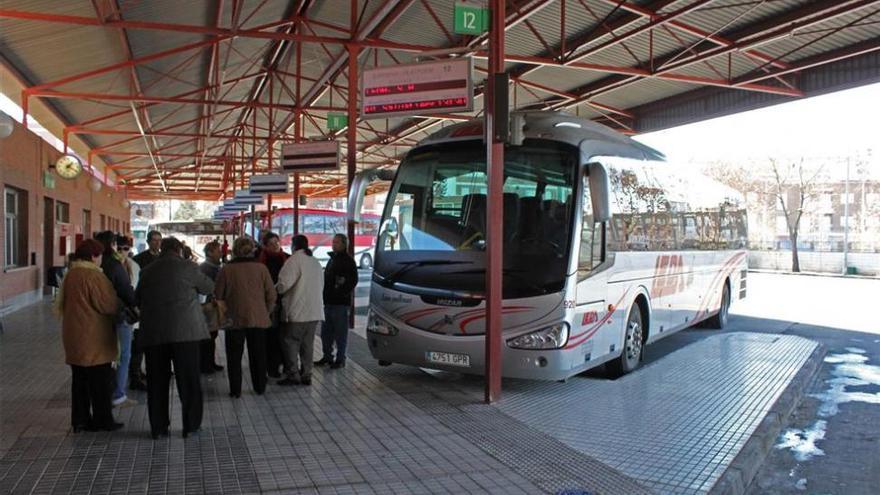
x: 206, y: 30
x: 862, y: 48
x: 693, y: 30
x: 170, y: 99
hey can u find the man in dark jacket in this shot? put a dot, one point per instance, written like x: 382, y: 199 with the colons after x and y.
x: 340, y: 279
x: 121, y: 280
x: 154, y: 240
x: 172, y: 325
x: 135, y: 376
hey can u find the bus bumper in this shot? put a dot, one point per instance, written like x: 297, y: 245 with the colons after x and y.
x: 414, y: 347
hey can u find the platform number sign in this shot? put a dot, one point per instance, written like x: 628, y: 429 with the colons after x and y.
x: 337, y: 121
x: 470, y: 19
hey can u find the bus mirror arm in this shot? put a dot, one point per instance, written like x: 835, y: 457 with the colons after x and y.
x: 599, y: 192
x: 359, y: 190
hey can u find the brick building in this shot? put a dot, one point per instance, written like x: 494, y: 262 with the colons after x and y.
x: 44, y: 216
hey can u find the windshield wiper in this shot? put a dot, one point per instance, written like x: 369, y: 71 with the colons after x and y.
x: 409, y: 265
x: 509, y: 272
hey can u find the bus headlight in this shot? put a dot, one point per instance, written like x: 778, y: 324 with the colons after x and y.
x: 552, y: 337
x: 376, y: 324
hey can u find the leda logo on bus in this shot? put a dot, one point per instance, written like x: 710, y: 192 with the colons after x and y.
x: 669, y: 276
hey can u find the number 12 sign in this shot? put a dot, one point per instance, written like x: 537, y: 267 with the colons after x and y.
x: 470, y: 19
x: 418, y: 89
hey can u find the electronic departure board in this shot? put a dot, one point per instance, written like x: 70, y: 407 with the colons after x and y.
x: 442, y: 86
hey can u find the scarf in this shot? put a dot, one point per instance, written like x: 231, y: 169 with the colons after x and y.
x: 58, y: 306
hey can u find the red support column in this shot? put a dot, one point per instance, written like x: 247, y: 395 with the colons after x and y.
x: 297, y: 134
x: 353, y: 51
x: 495, y: 210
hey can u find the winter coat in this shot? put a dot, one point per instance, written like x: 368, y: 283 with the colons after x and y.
x: 144, y: 259
x: 246, y: 288
x: 273, y: 261
x: 168, y: 296
x: 88, y: 305
x: 301, y: 285
x: 118, y: 275
x: 340, y: 279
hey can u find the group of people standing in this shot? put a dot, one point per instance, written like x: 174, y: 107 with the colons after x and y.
x: 166, y: 311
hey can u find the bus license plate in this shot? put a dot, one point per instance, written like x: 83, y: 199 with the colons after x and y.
x: 448, y: 358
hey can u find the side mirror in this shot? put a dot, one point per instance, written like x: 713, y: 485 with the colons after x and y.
x: 600, y: 188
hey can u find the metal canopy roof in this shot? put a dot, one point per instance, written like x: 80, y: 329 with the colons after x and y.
x: 188, y: 98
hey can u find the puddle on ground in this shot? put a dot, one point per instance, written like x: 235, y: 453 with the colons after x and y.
x: 850, y: 370
x: 803, y: 442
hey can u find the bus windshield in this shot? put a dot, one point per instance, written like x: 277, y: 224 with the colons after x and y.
x: 437, y: 209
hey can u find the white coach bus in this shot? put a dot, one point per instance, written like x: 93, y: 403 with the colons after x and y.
x: 607, y: 248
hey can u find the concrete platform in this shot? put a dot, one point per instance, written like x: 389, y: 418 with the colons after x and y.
x: 676, y: 426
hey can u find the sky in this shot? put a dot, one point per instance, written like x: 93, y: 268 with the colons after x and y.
x: 841, y: 124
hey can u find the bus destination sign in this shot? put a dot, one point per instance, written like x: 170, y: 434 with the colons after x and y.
x: 314, y: 156
x: 416, y: 89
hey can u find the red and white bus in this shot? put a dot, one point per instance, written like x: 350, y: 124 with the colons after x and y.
x: 607, y: 248
x: 319, y: 226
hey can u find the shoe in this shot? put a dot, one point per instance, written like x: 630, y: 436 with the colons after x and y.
x: 119, y: 401
x: 217, y: 367
x: 288, y: 381
x: 235, y: 396
x: 111, y: 427
x: 126, y: 402
x: 337, y: 365
x: 194, y: 433
x: 81, y: 428
x: 306, y: 381
x: 324, y: 360
x: 161, y: 434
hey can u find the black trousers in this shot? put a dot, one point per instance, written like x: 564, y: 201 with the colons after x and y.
x: 185, y: 356
x: 256, y: 346
x: 91, y: 390
x: 274, y: 357
x: 208, y: 349
x: 137, y: 358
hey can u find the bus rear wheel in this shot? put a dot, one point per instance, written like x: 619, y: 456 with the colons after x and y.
x: 719, y: 320
x: 633, y: 344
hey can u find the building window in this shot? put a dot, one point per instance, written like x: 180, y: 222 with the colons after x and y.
x: 15, y: 228
x: 62, y: 212
x: 103, y: 223
x: 87, y: 224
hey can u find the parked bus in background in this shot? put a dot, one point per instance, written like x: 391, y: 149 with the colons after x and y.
x: 319, y: 226
x: 606, y: 248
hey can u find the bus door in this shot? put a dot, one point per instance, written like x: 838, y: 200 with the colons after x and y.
x: 588, y: 334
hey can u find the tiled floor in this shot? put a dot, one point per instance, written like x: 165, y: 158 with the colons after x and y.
x: 363, y: 429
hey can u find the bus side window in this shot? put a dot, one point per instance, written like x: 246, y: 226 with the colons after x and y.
x: 592, y: 249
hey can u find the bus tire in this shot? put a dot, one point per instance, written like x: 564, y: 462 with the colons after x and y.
x: 366, y: 262
x: 719, y: 320
x: 633, y: 344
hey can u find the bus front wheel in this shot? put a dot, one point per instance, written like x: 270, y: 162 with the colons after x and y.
x: 366, y: 262
x: 633, y: 344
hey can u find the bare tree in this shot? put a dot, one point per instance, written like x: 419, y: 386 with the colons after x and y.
x: 793, y: 187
